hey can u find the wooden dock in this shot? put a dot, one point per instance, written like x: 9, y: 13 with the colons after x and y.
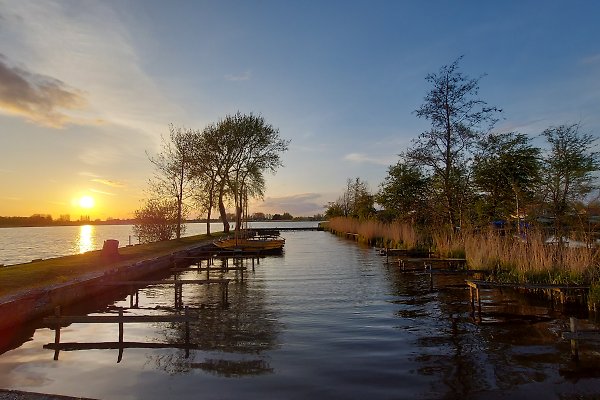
x: 178, y: 285
x: 57, y: 321
x: 560, y: 292
x: 575, y: 335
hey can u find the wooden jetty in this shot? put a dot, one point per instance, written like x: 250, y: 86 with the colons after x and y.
x: 178, y: 284
x: 576, y: 335
x: 560, y: 292
x: 429, y: 263
x: 57, y: 321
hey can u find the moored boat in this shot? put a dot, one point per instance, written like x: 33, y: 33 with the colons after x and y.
x: 262, y: 244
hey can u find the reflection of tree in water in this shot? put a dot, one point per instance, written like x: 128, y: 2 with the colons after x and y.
x: 245, y: 327
x: 236, y: 369
x: 501, y: 354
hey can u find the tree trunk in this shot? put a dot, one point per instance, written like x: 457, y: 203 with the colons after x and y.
x: 222, y: 211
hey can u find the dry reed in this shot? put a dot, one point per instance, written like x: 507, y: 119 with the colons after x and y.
x: 395, y: 234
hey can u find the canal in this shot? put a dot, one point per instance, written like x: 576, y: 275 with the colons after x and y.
x: 327, y: 319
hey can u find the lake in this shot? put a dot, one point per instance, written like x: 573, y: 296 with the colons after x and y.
x: 327, y: 319
x: 21, y: 245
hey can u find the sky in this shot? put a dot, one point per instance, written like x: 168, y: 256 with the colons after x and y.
x: 87, y: 88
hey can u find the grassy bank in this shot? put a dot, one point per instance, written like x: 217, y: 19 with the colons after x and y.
x: 39, y: 274
x: 512, y: 259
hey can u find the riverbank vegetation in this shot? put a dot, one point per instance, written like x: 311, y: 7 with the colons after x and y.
x: 525, y: 207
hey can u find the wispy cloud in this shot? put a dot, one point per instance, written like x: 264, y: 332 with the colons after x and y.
x: 363, y: 158
x: 108, y: 182
x: 39, y: 98
x: 120, y: 93
x: 242, y: 77
x: 102, y: 192
x: 593, y: 59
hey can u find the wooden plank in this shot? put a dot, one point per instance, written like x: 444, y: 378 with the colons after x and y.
x: 168, y: 282
x: 582, y: 335
x: 216, y: 269
x: 114, y: 319
x: 486, y: 284
x: 74, y: 346
x: 433, y: 260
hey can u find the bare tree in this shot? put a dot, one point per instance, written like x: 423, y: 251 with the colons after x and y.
x: 457, y: 119
x: 173, y: 175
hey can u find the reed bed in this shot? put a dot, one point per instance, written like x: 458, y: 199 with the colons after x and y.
x: 512, y: 258
x: 391, y: 235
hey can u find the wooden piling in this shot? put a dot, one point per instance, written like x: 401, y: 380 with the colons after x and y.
x: 574, y: 341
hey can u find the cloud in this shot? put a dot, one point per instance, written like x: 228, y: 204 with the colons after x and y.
x: 363, y: 158
x: 108, y: 182
x: 102, y: 192
x: 39, y: 98
x: 593, y: 59
x: 236, y: 78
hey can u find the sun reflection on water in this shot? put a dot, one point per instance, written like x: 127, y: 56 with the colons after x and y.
x: 86, y: 235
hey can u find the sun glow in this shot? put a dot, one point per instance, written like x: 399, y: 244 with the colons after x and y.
x: 86, y: 202
x: 86, y: 238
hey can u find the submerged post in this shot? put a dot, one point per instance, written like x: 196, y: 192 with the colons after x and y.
x: 57, y: 332
x: 574, y: 341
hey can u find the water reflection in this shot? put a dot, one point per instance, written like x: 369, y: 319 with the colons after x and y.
x: 86, y: 238
x: 243, y: 326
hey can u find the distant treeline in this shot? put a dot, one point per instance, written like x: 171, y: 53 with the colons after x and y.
x: 47, y: 220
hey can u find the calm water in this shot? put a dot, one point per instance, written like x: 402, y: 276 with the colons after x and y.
x: 21, y: 245
x: 328, y: 319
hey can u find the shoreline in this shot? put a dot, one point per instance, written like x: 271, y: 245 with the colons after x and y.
x: 21, y: 305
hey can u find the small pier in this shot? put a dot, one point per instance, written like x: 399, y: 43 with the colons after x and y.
x: 575, y: 335
x: 562, y: 293
x: 57, y: 321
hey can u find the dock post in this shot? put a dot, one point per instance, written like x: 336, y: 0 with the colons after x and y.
x: 187, y: 331
x: 472, y: 297
x: 120, y: 356
x: 57, y: 332
x: 478, y: 302
x: 224, y: 293
x: 574, y: 342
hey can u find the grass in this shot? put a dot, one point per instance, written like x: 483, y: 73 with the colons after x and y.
x: 39, y: 274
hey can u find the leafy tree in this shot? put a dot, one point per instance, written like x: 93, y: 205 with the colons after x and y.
x: 569, y: 167
x: 507, y: 171
x: 157, y: 220
x: 355, y: 202
x: 173, y: 178
x: 252, y: 146
x: 457, y: 118
x: 403, y: 193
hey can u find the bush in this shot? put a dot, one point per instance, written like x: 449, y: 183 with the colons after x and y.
x: 156, y: 221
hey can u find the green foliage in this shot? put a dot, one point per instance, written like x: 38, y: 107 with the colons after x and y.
x: 403, y: 194
x: 157, y: 220
x: 568, y: 169
x: 506, y: 170
x: 355, y: 202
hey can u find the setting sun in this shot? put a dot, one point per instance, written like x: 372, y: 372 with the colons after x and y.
x: 86, y: 202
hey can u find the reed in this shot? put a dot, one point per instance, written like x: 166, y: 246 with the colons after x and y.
x: 513, y: 258
x: 393, y: 235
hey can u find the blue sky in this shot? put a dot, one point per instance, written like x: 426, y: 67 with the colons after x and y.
x: 87, y: 87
